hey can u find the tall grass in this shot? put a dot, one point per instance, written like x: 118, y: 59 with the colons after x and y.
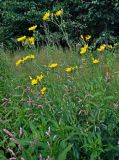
x: 77, y: 117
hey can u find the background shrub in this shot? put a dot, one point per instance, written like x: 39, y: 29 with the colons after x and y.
x: 90, y: 16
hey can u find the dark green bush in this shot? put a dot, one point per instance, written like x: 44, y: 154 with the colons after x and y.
x: 82, y: 17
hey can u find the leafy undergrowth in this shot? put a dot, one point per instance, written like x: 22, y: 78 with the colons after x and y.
x: 76, y: 117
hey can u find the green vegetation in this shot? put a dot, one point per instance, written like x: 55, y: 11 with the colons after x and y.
x: 59, y: 90
x: 75, y: 118
x: 94, y: 17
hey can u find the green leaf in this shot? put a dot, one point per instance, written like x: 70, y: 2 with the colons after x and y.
x: 63, y: 154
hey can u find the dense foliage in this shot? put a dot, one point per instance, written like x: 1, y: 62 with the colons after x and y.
x: 81, y: 17
x: 75, y: 118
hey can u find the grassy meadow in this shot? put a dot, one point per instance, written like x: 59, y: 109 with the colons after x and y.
x: 59, y: 105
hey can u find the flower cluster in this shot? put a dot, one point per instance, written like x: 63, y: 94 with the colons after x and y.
x: 32, y: 28
x: 36, y: 80
x: 84, y: 49
x: 87, y: 37
x: 101, y: 48
x: 53, y: 65
x: 20, y: 39
x: 59, y: 12
x: 46, y: 16
x: 95, y: 61
x: 70, y: 69
x: 24, y: 59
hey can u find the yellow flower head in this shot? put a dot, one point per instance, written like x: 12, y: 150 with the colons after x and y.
x: 53, y: 65
x: 28, y: 57
x: 84, y: 49
x: 59, y: 12
x: 110, y: 46
x: 31, y: 56
x: 20, y: 39
x: 34, y: 82
x: 95, y: 61
x: 43, y: 90
x: 46, y: 16
x: 31, y: 40
x: 19, y: 62
x: 39, y: 78
x: 88, y: 37
x: 101, y: 48
x: 69, y: 69
x: 32, y: 28
x: 81, y: 36
x: 86, y: 46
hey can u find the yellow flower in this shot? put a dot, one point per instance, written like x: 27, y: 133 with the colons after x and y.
x: 31, y: 40
x: 31, y: 56
x: 69, y: 69
x: 101, y: 48
x: 53, y: 65
x: 88, y: 37
x: 81, y: 36
x: 110, y: 46
x: 95, y: 61
x: 32, y: 28
x: 34, y: 81
x: 46, y: 16
x: 84, y: 49
x: 28, y: 57
x: 86, y: 46
x: 19, y: 62
x: 20, y: 39
x: 39, y: 78
x: 59, y: 12
x: 43, y: 90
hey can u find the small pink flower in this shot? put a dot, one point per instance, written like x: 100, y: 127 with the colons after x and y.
x: 8, y: 133
x: 117, y: 142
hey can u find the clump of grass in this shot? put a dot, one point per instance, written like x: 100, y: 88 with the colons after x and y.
x: 76, y: 118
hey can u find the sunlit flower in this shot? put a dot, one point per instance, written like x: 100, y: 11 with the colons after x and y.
x: 43, y: 90
x: 59, y: 12
x: 81, y: 36
x: 31, y: 56
x: 46, y: 16
x: 101, y: 48
x: 110, y: 46
x: 88, y: 37
x: 20, y: 39
x: 34, y: 81
x: 53, y: 65
x: 32, y: 28
x: 31, y: 40
x: 19, y: 62
x: 95, y: 61
x: 84, y: 49
x: 69, y: 69
x: 39, y: 78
